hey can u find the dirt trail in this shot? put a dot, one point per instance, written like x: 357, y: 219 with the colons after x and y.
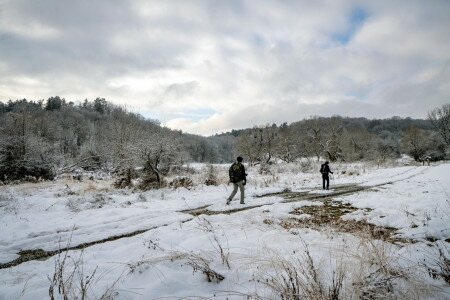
x: 337, y: 190
x: 288, y: 197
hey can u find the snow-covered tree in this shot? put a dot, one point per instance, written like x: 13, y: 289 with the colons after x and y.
x: 440, y: 119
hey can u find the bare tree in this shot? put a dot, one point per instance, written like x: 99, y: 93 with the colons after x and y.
x: 383, y: 151
x: 270, y: 141
x: 246, y: 145
x: 333, y: 138
x: 325, y: 137
x: 440, y: 118
x: 259, y: 145
x: 290, y: 145
x: 358, y: 144
x: 414, y: 142
x: 315, y: 136
x: 22, y: 152
x: 160, y: 151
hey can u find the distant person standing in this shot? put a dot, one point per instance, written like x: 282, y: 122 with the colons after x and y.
x: 325, y: 170
x: 238, y: 177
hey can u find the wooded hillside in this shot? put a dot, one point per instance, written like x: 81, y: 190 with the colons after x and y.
x: 42, y: 138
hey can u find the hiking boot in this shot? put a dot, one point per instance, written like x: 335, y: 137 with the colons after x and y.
x: 228, y: 201
x: 242, y: 202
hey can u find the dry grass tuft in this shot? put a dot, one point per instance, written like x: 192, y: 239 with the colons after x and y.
x: 438, y: 261
x: 223, y: 251
x: 298, y: 277
x: 69, y: 280
x: 199, y: 262
x: 368, y: 270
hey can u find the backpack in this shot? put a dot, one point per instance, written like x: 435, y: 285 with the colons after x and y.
x: 236, y: 172
x: 321, y: 168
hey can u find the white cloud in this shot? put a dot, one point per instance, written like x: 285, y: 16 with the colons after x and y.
x: 32, y: 30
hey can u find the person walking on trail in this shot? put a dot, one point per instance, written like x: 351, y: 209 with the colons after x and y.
x: 239, y: 178
x: 325, y: 170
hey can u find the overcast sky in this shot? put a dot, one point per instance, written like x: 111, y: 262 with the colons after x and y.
x: 211, y: 66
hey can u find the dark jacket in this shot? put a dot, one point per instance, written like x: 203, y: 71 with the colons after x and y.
x: 325, y: 169
x: 237, y: 172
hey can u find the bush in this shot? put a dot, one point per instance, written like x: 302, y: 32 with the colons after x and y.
x: 149, y: 182
x: 125, y: 179
x: 26, y: 173
x: 306, y: 165
x: 264, y: 169
x: 179, y: 169
x: 181, y: 181
x: 16, y: 163
x: 211, y: 176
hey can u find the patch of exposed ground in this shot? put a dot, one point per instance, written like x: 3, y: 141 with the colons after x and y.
x: 337, y: 191
x: 205, y: 211
x: 329, y: 215
x: 287, y: 193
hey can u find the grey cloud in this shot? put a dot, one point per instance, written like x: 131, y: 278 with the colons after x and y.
x: 84, y: 44
x: 181, y: 89
x: 257, y: 62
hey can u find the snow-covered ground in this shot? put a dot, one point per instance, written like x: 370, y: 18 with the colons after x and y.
x: 168, y: 260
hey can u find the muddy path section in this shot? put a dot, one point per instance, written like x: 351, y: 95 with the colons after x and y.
x: 311, y: 196
x: 205, y: 211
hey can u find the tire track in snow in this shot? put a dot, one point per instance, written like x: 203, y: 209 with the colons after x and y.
x: 40, y: 254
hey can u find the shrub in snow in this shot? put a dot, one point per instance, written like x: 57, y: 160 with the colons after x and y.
x: 264, y: 169
x: 125, y: 178
x: 7, y: 203
x: 182, y: 169
x: 22, y: 157
x: 99, y: 201
x: 141, y: 198
x: 211, y: 175
x: 149, y: 182
x: 75, y: 204
x: 69, y: 191
x: 181, y: 181
x: 306, y: 165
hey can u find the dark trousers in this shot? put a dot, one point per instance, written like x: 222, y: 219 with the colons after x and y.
x: 326, y: 178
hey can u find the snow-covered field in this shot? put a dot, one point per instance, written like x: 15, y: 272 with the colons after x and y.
x: 169, y: 252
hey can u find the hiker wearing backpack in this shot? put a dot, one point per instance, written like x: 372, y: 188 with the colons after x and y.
x: 325, y: 170
x: 238, y: 178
